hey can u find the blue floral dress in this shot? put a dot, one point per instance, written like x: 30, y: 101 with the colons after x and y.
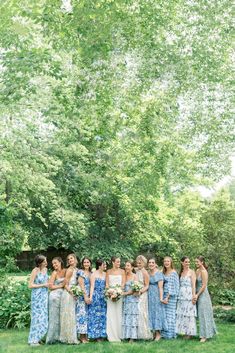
x: 39, y: 310
x: 97, y: 311
x: 186, y: 310
x: 205, y: 312
x: 157, y: 315
x: 81, y: 306
x: 130, y: 314
x: 171, y: 287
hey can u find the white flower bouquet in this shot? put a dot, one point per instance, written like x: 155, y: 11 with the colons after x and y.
x: 76, y: 291
x: 113, y: 292
x: 136, y: 286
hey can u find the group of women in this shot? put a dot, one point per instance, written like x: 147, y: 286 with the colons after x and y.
x: 164, y: 305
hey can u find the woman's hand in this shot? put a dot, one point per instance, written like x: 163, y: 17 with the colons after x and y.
x: 87, y: 300
x: 165, y: 301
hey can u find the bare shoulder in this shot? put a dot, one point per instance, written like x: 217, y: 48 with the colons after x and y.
x: 69, y: 271
x: 145, y: 272
x: 122, y: 271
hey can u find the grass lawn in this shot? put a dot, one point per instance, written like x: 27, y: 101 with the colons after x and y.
x: 14, y: 341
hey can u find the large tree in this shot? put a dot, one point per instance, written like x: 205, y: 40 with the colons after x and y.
x: 108, y: 112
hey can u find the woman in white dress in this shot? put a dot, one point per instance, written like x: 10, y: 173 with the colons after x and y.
x: 143, y: 277
x: 115, y: 276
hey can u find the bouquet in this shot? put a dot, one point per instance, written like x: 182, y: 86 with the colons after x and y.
x: 136, y: 286
x: 76, y: 291
x: 113, y: 292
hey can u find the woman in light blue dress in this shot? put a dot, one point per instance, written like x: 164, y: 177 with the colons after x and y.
x: 38, y: 282
x: 68, y: 333
x: 56, y: 284
x: 130, y: 310
x: 170, y: 294
x: 83, y: 278
x: 156, y: 310
x: 203, y: 300
x: 186, y: 308
x: 97, y: 309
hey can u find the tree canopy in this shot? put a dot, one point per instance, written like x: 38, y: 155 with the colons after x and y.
x: 112, y: 112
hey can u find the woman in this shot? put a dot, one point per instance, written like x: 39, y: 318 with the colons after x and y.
x: 56, y: 284
x: 203, y: 300
x: 186, y: 309
x: 98, y: 307
x: 68, y: 333
x: 38, y: 282
x: 143, y: 277
x: 83, y: 276
x: 115, y: 276
x: 170, y: 293
x: 130, y: 306
x: 157, y: 316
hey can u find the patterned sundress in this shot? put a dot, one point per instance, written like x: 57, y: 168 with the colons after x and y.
x: 68, y: 333
x: 186, y: 310
x: 81, y: 306
x: 97, y: 311
x: 39, y: 310
x: 171, y: 287
x: 53, y: 334
x: 157, y: 315
x: 205, y: 312
x: 130, y: 314
x: 143, y: 324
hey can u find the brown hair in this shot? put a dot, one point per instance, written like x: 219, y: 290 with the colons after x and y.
x: 202, y: 259
x: 132, y: 263
x: 39, y: 260
x: 58, y: 258
x: 114, y: 258
x: 172, y: 265
x: 82, y: 263
x: 181, y: 267
x: 153, y: 258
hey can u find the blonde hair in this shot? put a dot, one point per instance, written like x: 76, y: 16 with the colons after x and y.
x: 142, y: 259
x: 75, y: 258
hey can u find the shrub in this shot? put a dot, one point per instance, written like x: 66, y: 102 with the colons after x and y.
x: 224, y: 297
x: 14, y: 304
x: 225, y: 315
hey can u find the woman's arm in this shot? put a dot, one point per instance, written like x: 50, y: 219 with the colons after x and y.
x: 193, y: 282
x: 123, y: 279
x: 146, y: 282
x: 204, y: 283
x: 32, y: 278
x: 81, y: 283
x: 160, y: 286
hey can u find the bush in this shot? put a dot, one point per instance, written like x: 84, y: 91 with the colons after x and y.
x: 14, y: 304
x: 224, y: 297
x: 225, y: 315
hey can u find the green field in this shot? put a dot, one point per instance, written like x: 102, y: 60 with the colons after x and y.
x: 13, y: 341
